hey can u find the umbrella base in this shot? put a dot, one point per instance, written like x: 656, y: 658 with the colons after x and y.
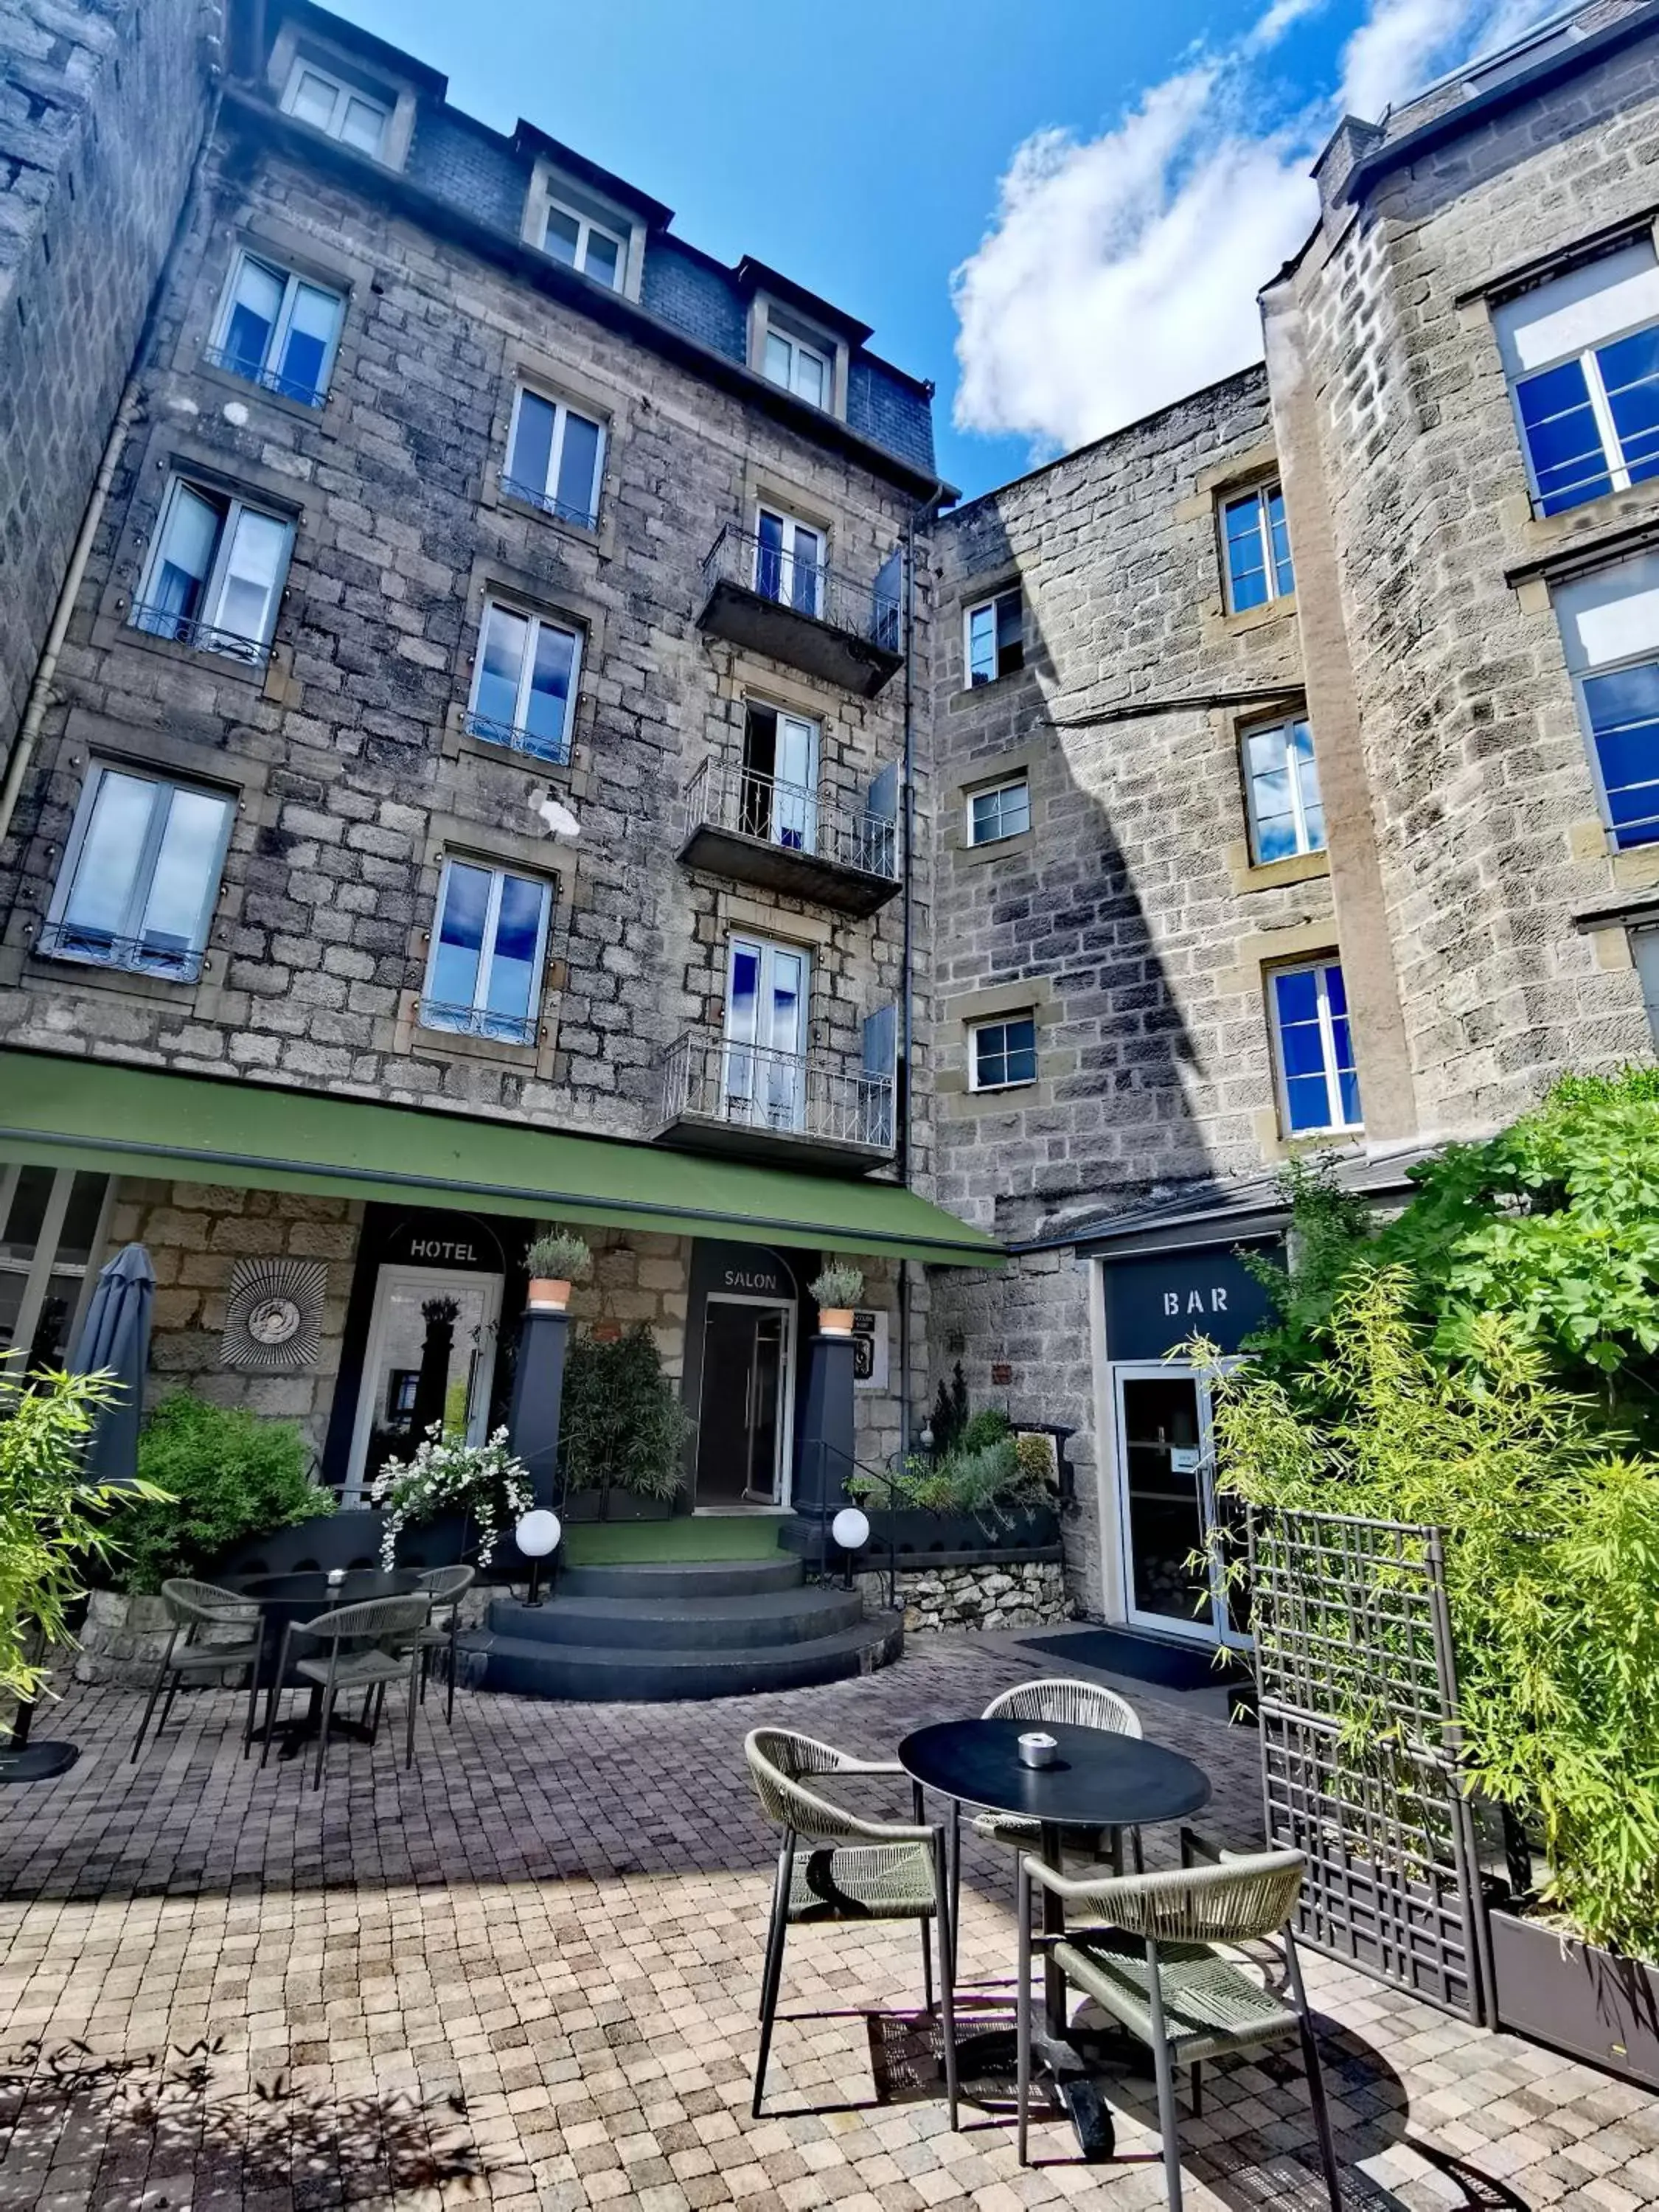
x: 38, y: 1762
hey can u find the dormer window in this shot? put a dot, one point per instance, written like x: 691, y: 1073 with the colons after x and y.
x: 315, y: 95
x: 582, y: 243
x: 798, y: 367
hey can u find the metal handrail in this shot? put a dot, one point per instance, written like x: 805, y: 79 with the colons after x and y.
x: 583, y: 518
x: 99, y: 948
x: 479, y: 1022
x: 839, y: 600
x: 521, y: 739
x: 727, y: 794
x: 200, y: 636
x: 268, y: 380
x: 710, y: 1078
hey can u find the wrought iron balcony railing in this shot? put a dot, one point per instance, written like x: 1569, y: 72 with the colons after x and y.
x: 521, y: 739
x: 583, y: 518
x: 200, y: 636
x: 479, y: 1022
x: 726, y: 794
x: 268, y: 380
x: 869, y: 610
x: 814, y: 1097
x: 101, y: 948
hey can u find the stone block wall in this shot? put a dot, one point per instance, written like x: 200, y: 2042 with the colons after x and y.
x: 101, y: 109
x: 999, y: 1594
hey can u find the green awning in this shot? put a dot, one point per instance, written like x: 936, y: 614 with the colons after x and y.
x: 128, y: 1121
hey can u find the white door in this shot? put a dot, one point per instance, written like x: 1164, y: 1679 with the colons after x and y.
x: 766, y: 1001
x: 1167, y: 1504
x: 392, y: 1358
x: 793, y: 821
x: 789, y: 562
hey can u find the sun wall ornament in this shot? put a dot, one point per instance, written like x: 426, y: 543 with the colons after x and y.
x: 274, y: 1319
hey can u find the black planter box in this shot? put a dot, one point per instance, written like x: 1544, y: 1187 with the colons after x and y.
x: 921, y: 1539
x: 580, y: 1505
x: 1576, y: 1998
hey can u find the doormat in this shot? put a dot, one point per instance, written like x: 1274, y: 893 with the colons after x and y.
x: 1116, y: 1651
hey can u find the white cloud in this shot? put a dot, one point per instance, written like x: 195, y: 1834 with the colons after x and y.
x: 1121, y: 272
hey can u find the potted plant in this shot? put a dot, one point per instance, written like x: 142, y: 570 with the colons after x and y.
x: 554, y: 1261
x: 837, y: 1287
x: 484, y: 1482
x: 622, y: 1430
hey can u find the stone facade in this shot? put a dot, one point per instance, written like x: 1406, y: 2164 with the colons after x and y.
x: 1004, y: 1594
x: 103, y: 107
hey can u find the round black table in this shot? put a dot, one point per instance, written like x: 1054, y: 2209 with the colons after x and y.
x: 285, y: 1600
x: 1096, y: 1780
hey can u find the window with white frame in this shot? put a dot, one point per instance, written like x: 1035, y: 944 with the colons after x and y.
x: 1582, y: 356
x: 484, y: 974
x: 277, y: 329
x: 316, y: 96
x: 789, y: 561
x: 523, y: 682
x: 52, y: 1233
x: 580, y: 242
x: 140, y: 875
x: 1002, y: 810
x: 1002, y: 1052
x: 1313, y: 1048
x: 1256, y: 549
x: 1281, y: 791
x: 993, y: 635
x: 214, y: 575
x: 555, y: 458
x: 804, y: 369
x: 1610, y: 631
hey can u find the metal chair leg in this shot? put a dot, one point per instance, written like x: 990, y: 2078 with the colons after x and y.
x: 162, y: 1665
x: 1198, y: 2088
x: 1023, y: 2009
x: 327, y: 1714
x: 928, y: 1968
x: 955, y: 1879
x: 275, y: 1691
x: 414, y: 1700
x: 773, y: 1973
x: 167, y: 1705
x: 1169, y: 2117
x: 252, y: 1727
x: 1322, y: 2116
x: 454, y: 1654
x: 946, y: 1970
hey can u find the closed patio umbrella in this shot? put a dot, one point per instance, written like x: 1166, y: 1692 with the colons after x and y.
x: 116, y: 1335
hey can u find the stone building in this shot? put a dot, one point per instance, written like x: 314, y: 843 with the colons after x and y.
x: 472, y: 791
x: 1294, y: 754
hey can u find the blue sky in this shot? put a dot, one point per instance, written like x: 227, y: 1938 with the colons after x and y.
x: 1116, y: 179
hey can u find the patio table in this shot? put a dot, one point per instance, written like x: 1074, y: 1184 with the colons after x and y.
x: 1097, y: 1780
x: 285, y: 1600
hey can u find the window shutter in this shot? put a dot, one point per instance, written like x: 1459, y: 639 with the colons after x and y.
x: 879, y: 1085
x: 888, y: 596
x: 1578, y: 310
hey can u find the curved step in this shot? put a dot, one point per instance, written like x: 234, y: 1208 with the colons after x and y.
x: 526, y: 1666
x: 683, y: 1578
x: 757, y: 1618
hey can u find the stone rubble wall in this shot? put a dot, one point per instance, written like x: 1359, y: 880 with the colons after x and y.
x: 1019, y: 1593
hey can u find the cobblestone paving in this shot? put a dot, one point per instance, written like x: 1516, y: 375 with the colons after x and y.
x: 527, y: 1973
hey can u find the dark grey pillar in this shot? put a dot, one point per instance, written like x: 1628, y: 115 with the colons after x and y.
x: 532, y: 1420
x: 826, y: 1445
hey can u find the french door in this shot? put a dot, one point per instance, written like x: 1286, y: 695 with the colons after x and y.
x: 765, y: 1075
x: 1167, y: 1505
x: 409, y: 1372
x: 780, y: 777
x: 789, y: 562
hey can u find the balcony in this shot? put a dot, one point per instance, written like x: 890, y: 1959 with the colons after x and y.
x: 786, y: 837
x: 199, y: 636
x: 811, y: 1109
x: 844, y: 629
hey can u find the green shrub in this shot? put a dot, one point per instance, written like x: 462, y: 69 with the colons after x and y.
x: 990, y: 1425
x: 227, y: 1474
x: 620, y: 1423
x: 989, y: 1481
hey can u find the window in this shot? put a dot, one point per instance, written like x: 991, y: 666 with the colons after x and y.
x: 140, y: 875
x: 215, y: 576
x: 51, y: 1224
x: 1002, y: 1052
x: 798, y: 367
x: 1258, y: 549
x: 580, y: 243
x: 328, y: 103
x: 996, y: 637
x: 1281, y: 789
x: 483, y: 976
x: 1004, y: 810
x: 1581, y: 356
x: 276, y: 330
x: 779, y: 797
x: 523, y: 682
x: 763, y: 1075
x: 554, y: 458
x: 789, y: 562
x: 1314, y: 1049
x: 1610, y: 629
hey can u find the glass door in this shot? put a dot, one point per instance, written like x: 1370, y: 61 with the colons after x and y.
x: 1167, y: 1505
x: 747, y: 1412
x: 766, y: 1001
x: 430, y: 1356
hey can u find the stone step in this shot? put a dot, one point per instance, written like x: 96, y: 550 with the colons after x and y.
x: 751, y: 1619
x: 671, y: 1578
x: 529, y: 1666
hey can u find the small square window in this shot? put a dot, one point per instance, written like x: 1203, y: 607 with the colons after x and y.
x: 581, y: 242
x: 316, y: 96
x: 1004, y: 810
x: 1313, y: 1048
x: 140, y: 875
x: 1281, y: 790
x: 1002, y: 1052
x: 798, y: 367
x: 555, y: 460
x: 995, y: 637
x: 484, y: 974
x: 1257, y: 541
x: 215, y: 576
x: 277, y: 329
x: 523, y: 682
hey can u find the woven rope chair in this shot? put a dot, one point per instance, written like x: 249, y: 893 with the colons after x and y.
x: 385, y: 1636
x: 446, y: 1587
x: 192, y: 1608
x: 835, y: 1865
x: 1156, y: 1959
